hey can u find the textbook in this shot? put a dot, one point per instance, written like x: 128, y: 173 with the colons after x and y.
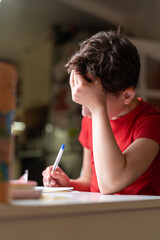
x: 24, y: 190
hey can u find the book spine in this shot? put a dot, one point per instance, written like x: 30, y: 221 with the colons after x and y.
x: 8, y: 80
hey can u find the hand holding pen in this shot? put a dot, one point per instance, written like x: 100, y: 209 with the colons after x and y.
x: 60, y: 153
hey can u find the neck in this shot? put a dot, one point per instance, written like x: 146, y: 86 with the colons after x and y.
x: 127, y: 108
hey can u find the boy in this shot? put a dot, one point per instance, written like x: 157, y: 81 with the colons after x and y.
x: 120, y: 133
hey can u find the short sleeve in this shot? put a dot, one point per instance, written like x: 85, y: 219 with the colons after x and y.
x: 148, y: 127
x: 84, y: 133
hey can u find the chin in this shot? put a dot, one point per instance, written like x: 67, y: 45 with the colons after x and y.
x: 86, y: 112
x: 86, y: 115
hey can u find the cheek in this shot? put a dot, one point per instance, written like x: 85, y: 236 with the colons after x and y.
x: 113, y: 109
x: 110, y: 112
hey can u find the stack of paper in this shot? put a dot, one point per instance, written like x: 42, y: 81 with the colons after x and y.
x: 24, y: 190
x: 53, y: 189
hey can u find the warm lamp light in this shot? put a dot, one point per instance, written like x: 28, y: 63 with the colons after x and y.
x: 18, y: 126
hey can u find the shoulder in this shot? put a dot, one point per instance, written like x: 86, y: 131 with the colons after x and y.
x: 145, y: 112
x: 147, y: 108
x: 148, y: 122
x: 148, y: 112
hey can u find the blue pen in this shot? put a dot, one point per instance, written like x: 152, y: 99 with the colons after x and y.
x: 57, y: 159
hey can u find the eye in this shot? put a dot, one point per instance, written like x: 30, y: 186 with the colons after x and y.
x: 88, y: 79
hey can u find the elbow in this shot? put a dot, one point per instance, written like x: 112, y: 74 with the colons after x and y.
x: 111, y: 183
x: 106, y: 191
x: 109, y: 188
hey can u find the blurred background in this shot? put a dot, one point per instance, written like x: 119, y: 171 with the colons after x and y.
x: 37, y: 37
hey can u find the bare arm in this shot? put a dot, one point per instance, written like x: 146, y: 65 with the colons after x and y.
x: 83, y: 182
x: 116, y: 170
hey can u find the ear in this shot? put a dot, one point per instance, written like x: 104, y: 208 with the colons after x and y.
x: 128, y: 95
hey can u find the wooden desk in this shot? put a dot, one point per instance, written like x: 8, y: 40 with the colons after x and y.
x: 79, y: 215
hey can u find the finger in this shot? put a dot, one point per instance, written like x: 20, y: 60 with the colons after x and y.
x: 79, y: 79
x: 58, y: 176
x: 44, y: 172
x: 71, y: 79
x: 51, y: 183
x: 76, y: 78
x: 46, y: 178
x: 47, y: 171
x: 45, y: 182
x: 55, y: 185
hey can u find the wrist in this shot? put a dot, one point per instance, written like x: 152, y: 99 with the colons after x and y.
x: 71, y: 183
x: 80, y: 185
x: 101, y: 109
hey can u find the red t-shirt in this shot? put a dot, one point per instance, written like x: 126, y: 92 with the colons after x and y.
x: 142, y: 122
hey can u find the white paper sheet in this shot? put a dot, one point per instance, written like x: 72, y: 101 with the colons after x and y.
x: 53, y: 189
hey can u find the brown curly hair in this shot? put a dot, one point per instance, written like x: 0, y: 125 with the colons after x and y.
x: 109, y: 56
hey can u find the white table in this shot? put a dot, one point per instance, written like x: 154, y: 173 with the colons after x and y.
x: 79, y: 215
